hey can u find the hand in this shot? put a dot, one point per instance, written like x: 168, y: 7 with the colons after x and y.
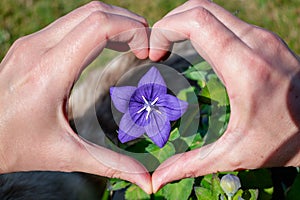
x: 262, y: 79
x: 36, y: 77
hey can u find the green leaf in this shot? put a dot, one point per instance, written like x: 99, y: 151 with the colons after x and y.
x: 194, y: 141
x: 254, y: 194
x: 174, y: 134
x: 216, y: 187
x: 251, y: 194
x: 195, y: 75
x: 238, y: 194
x: 201, y: 83
x: 198, y: 72
x: 118, y: 185
x: 206, y: 181
x: 180, y: 190
x: 161, y: 154
x: 215, y: 91
x: 158, y: 195
x: 203, y: 66
x: 134, y: 193
x: 211, y: 182
x: 203, y: 193
x: 188, y: 95
x: 106, y: 195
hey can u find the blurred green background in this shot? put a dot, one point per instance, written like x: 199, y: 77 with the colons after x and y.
x: 22, y: 17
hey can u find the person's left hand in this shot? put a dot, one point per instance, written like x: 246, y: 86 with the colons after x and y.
x: 36, y: 77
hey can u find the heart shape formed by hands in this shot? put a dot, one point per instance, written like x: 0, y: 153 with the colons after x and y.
x: 260, y: 73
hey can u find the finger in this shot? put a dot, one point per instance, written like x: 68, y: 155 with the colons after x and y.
x: 98, y: 160
x: 211, y: 38
x: 237, y: 26
x: 206, y: 160
x: 61, y: 27
x: 88, y: 39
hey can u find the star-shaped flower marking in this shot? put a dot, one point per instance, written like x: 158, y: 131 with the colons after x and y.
x: 147, y: 109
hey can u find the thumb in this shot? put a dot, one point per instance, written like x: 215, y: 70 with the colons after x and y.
x: 202, y: 161
x: 98, y: 160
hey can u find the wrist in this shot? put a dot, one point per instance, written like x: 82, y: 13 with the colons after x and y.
x: 6, y: 151
x: 3, y: 161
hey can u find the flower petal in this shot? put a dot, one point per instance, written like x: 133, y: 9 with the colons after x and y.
x: 149, y: 91
x: 159, y: 128
x: 137, y: 113
x: 153, y: 76
x: 120, y: 97
x: 128, y: 129
x: 124, y: 137
x: 173, y: 106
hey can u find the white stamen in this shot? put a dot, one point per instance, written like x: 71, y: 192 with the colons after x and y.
x: 158, y: 111
x: 155, y: 100
x: 148, y: 112
x: 142, y: 109
x: 149, y: 107
x: 145, y: 100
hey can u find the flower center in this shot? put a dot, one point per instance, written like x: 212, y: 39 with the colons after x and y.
x: 149, y: 107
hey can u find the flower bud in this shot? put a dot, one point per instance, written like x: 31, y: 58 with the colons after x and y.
x: 230, y: 184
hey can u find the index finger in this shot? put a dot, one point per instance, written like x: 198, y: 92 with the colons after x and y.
x: 88, y: 39
x: 215, y: 42
x: 236, y: 25
x: 61, y: 27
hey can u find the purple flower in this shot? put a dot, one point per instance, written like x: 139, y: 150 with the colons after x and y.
x: 147, y: 109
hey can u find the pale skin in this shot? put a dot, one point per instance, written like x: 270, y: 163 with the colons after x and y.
x: 36, y: 77
x: 260, y: 73
x: 262, y: 79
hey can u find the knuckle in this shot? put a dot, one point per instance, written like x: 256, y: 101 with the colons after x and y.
x: 24, y: 49
x: 267, y: 38
x: 198, y: 2
x: 21, y: 44
x: 98, y: 19
x: 259, y: 68
x: 98, y: 5
x: 143, y: 20
x: 200, y: 16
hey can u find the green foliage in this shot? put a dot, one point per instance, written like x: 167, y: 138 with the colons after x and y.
x: 134, y: 193
x: 117, y: 184
x: 180, y: 190
x: 215, y: 91
x: 161, y: 153
x: 211, y: 183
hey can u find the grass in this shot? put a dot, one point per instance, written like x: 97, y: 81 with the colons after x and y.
x: 22, y: 17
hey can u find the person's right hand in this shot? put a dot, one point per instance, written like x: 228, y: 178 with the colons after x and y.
x: 36, y: 77
x: 262, y: 78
